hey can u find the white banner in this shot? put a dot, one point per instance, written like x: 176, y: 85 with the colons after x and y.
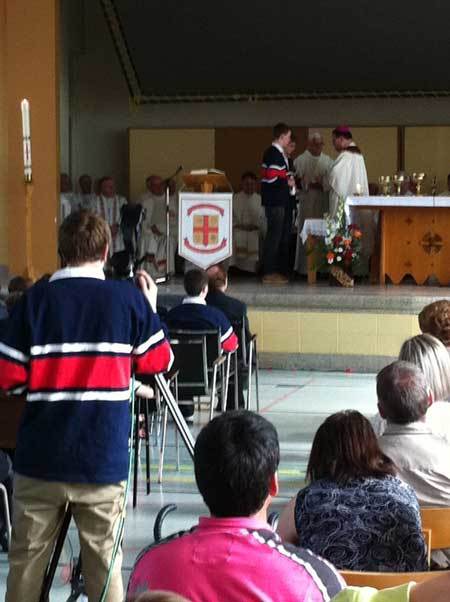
x: 205, y: 227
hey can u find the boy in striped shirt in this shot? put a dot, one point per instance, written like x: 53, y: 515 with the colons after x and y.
x: 72, y: 342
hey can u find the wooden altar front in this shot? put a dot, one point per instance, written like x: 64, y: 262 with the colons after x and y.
x: 414, y: 236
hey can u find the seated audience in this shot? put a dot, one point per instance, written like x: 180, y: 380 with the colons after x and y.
x: 355, y: 512
x: 159, y: 596
x: 86, y: 198
x: 233, y: 554
x: 431, y: 356
x: 422, y: 458
x: 434, y: 590
x: 3, y: 311
x: 435, y: 319
x: 66, y: 196
x: 109, y: 206
x: 195, y: 314
x: 235, y: 311
x: 249, y: 224
x: 153, y: 243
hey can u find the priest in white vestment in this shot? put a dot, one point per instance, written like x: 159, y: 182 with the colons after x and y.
x: 67, y: 199
x: 311, y: 171
x: 86, y: 199
x: 249, y: 225
x: 109, y: 205
x: 154, y: 237
x: 348, y: 177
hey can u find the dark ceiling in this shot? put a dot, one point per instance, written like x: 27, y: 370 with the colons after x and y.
x: 239, y: 49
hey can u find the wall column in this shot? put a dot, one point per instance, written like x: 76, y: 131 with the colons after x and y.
x: 32, y: 71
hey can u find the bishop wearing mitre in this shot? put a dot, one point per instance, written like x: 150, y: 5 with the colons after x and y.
x: 348, y: 177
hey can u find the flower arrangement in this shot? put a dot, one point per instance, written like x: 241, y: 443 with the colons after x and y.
x: 342, y: 241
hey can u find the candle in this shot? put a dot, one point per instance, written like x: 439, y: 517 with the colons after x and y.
x: 26, y: 135
x: 358, y: 188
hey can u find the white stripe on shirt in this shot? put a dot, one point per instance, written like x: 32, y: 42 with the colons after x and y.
x: 123, y: 395
x: 14, y: 354
x: 155, y: 338
x: 227, y: 335
x: 102, y: 347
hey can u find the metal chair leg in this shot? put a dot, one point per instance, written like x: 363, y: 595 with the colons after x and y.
x: 136, y: 452
x: 256, y: 378
x: 147, y: 446
x: 236, y: 383
x: 163, y: 444
x: 4, y: 494
x: 213, y: 394
x: 250, y: 376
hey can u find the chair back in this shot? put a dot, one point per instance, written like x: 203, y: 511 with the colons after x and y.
x: 385, y: 580
x: 194, y: 351
x: 437, y: 520
x: 11, y: 410
x: 241, y: 333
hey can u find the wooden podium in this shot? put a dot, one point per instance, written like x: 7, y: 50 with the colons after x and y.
x: 206, y: 183
x: 414, y: 236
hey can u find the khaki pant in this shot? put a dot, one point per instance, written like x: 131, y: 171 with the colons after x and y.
x: 38, y: 513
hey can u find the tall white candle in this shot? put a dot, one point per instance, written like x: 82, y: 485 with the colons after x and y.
x: 26, y: 134
x: 358, y: 188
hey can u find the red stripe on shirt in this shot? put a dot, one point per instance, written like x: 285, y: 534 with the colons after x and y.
x: 156, y: 360
x: 80, y: 372
x: 230, y: 344
x: 12, y: 374
x: 270, y: 174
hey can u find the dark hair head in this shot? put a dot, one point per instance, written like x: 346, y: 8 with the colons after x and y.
x: 19, y: 284
x: 435, y: 319
x: 249, y: 174
x: 195, y: 281
x: 403, y: 392
x: 235, y: 458
x: 342, y: 132
x: 12, y: 299
x: 83, y: 237
x: 345, y: 447
x: 217, y: 276
x: 280, y: 129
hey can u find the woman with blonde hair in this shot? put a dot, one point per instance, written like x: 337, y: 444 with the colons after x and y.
x: 432, y: 357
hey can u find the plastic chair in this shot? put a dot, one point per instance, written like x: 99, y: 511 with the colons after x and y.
x: 385, y: 580
x: 437, y: 520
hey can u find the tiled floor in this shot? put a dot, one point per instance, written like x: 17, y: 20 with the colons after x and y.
x: 296, y: 402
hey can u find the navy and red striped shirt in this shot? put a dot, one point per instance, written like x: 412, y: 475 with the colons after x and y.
x: 274, y: 178
x: 73, y: 343
x: 194, y: 314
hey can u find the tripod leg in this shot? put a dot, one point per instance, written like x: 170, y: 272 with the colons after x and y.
x: 53, y: 565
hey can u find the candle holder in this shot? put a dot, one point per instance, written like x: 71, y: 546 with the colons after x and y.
x: 418, y: 179
x: 385, y: 183
x: 399, y: 178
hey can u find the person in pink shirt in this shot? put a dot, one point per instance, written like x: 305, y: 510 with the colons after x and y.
x: 233, y: 555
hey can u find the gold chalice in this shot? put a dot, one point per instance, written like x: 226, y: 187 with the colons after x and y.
x: 385, y: 183
x: 418, y: 178
x: 399, y: 178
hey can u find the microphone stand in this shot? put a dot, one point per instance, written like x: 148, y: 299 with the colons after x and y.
x: 167, y: 186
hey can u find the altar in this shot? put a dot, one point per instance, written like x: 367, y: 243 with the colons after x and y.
x: 413, y: 234
x: 413, y: 237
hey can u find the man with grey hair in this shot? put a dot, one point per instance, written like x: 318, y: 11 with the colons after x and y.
x: 422, y: 458
x: 311, y: 170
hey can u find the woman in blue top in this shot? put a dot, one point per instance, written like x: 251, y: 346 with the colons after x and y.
x: 355, y: 512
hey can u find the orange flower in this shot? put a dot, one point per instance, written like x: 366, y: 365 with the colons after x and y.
x: 347, y: 242
x: 330, y: 256
x: 357, y: 233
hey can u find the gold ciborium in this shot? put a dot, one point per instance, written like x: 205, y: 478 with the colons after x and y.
x: 385, y: 183
x: 399, y: 178
x: 418, y: 178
